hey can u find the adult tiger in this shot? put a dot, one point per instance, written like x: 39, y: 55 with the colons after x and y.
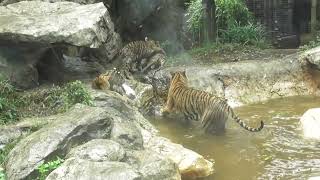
x: 195, y: 104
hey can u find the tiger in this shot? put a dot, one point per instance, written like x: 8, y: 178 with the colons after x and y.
x: 101, y: 82
x: 137, y: 56
x: 111, y: 80
x: 212, y: 111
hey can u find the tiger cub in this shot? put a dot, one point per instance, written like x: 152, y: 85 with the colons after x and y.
x: 212, y: 111
x: 101, y: 82
x: 137, y: 56
x: 111, y: 80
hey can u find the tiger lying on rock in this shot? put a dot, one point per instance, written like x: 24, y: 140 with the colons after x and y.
x: 212, y: 111
x: 111, y: 80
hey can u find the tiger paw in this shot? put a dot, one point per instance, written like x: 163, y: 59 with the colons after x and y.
x: 164, y: 111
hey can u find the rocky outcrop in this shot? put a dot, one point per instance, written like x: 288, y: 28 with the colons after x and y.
x: 310, y: 122
x: 67, y: 130
x: 53, y: 28
x: 253, y: 81
x: 85, y: 169
x: 12, y: 132
x: 111, y: 140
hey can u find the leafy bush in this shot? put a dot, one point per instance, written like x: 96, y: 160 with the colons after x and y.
x: 194, y: 13
x: 235, y: 23
x: 75, y: 92
x: 46, y: 168
x: 230, y: 12
x: 250, y: 34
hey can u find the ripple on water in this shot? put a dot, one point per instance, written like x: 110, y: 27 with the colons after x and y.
x: 279, y: 151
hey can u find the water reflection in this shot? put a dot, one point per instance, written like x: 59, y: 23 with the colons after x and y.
x: 279, y: 151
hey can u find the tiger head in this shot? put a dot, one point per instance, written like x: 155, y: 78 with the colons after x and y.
x: 101, y: 82
x: 179, y: 77
x: 154, y: 46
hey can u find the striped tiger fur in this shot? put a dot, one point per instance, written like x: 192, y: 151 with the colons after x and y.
x: 199, y: 105
x: 137, y: 56
x: 111, y: 80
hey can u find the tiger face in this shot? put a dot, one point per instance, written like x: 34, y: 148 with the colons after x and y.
x: 102, y: 82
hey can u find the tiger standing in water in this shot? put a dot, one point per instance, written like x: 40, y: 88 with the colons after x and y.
x: 212, y: 111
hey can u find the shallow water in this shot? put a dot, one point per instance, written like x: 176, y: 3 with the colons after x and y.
x: 279, y: 151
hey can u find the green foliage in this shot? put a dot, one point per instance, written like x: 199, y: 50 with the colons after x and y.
x: 9, y: 102
x: 57, y: 99
x: 75, y: 92
x: 45, y: 169
x: 194, y: 13
x: 40, y: 102
x: 2, y: 174
x: 312, y: 44
x: 235, y: 23
x: 230, y: 12
x: 249, y: 34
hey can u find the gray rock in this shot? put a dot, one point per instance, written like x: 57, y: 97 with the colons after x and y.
x: 77, y: 126
x: 60, y: 22
x: 153, y: 166
x: 17, y: 63
x: 80, y: 169
x: 127, y: 119
x: 12, y: 132
x: 310, y: 122
x: 127, y: 134
x: 51, y: 28
x: 98, y: 150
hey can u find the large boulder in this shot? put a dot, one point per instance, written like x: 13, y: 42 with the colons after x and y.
x: 67, y: 130
x: 85, y: 169
x: 10, y: 133
x: 61, y: 22
x: 310, y: 122
x: 98, y: 150
x: 191, y: 164
x: 26, y: 53
x: 153, y: 165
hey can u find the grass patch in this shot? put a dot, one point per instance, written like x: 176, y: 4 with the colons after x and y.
x: 40, y: 102
x: 9, y: 102
x: 216, y: 53
x: 46, y: 168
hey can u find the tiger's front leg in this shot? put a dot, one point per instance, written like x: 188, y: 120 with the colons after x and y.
x: 168, y: 107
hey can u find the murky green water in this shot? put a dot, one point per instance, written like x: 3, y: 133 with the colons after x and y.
x: 278, y: 152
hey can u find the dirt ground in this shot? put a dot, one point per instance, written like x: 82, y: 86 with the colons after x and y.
x: 209, y: 56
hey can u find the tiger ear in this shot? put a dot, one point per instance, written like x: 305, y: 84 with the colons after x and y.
x: 184, y: 73
x: 146, y: 38
x: 172, y: 74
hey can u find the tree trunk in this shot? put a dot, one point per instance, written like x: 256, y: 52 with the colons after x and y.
x: 209, y: 20
x: 313, y: 16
